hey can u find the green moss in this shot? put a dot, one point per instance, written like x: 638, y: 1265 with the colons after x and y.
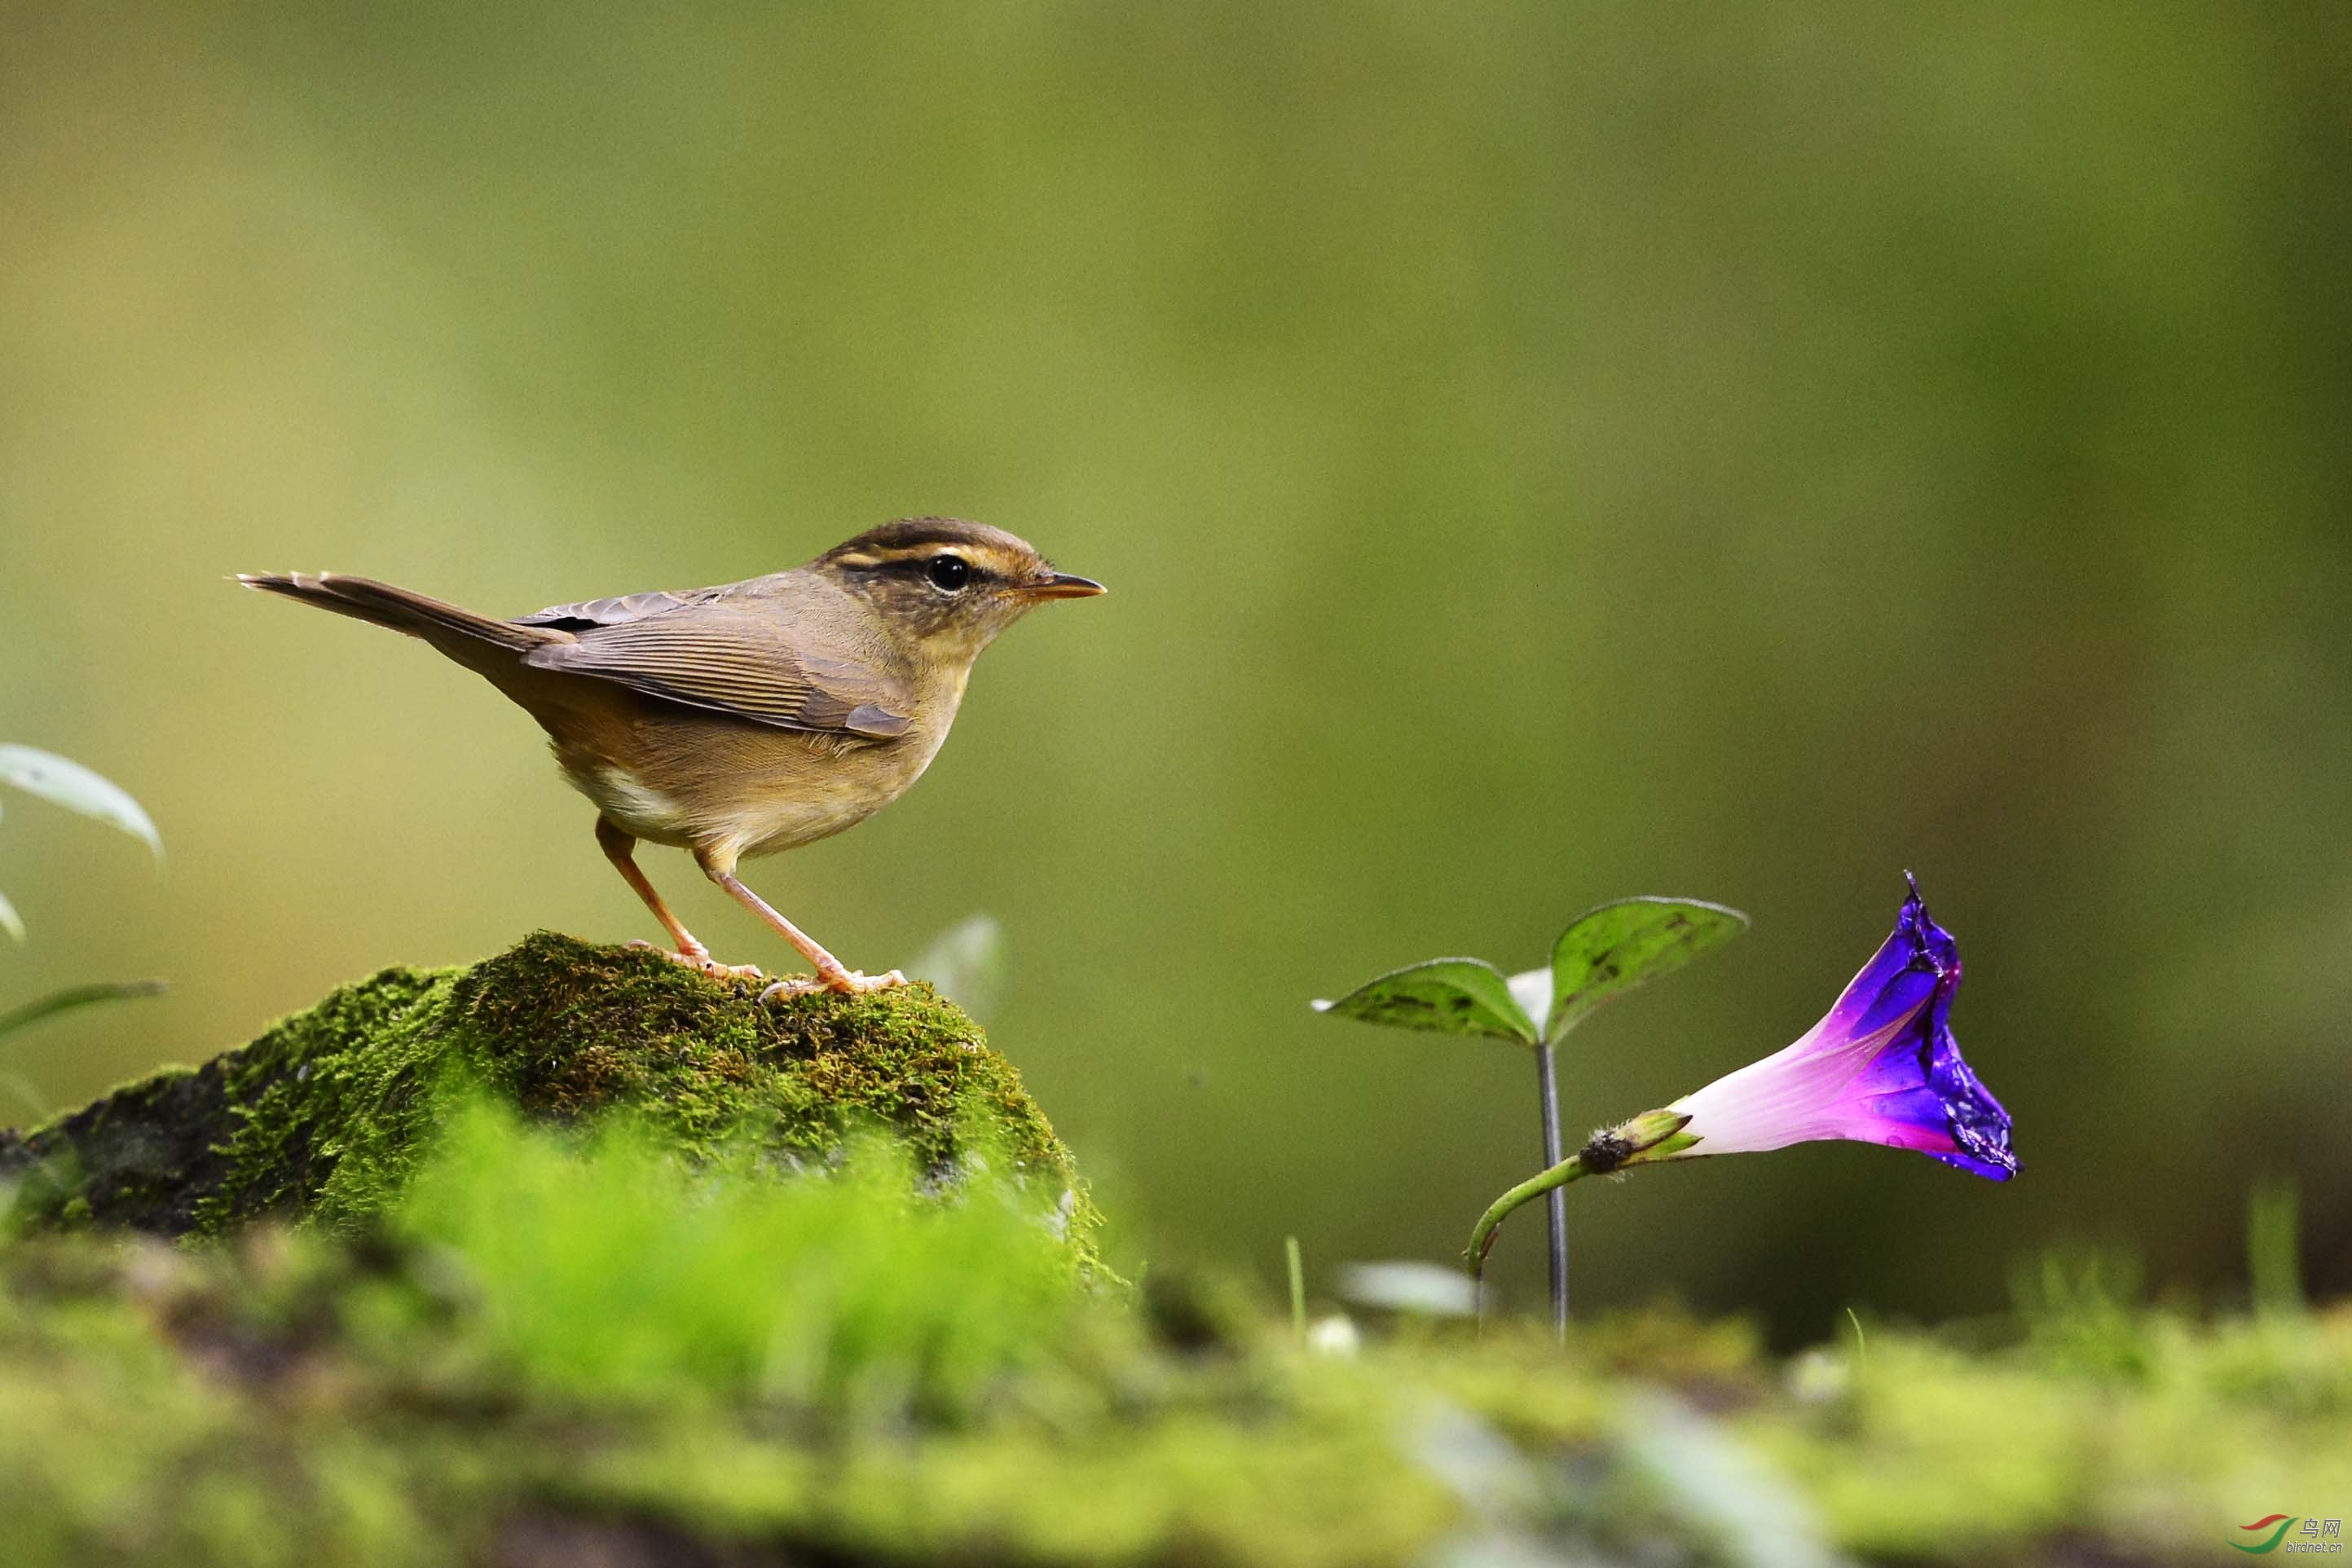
x: 504, y: 1275
x: 560, y: 1348
x: 325, y: 1116
x: 294, y: 1404
x: 620, y: 1273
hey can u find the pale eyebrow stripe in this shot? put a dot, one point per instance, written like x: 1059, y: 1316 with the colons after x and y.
x: 896, y: 555
x: 982, y: 556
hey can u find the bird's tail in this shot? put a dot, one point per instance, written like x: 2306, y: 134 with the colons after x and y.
x: 383, y: 605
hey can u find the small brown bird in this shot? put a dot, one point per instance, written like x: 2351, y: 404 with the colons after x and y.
x: 746, y: 719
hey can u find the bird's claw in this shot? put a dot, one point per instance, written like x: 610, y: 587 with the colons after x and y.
x: 847, y: 982
x: 703, y: 964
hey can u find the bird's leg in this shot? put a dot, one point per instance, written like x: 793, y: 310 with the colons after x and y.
x: 830, y: 974
x: 620, y: 848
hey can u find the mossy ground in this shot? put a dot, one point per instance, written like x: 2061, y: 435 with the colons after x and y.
x: 496, y: 1266
x: 324, y: 1116
x: 558, y: 1353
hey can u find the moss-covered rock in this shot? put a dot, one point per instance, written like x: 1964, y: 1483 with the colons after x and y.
x: 324, y: 1116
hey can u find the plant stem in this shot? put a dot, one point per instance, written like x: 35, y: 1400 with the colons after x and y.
x: 1481, y: 1240
x: 1298, y: 1287
x: 1547, y: 1090
x: 2274, y: 1248
x: 1650, y: 1137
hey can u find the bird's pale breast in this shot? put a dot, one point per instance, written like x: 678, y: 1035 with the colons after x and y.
x: 739, y: 790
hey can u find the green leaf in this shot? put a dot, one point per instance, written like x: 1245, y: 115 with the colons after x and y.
x: 1611, y: 949
x: 966, y: 963
x: 10, y: 922
x: 75, y: 996
x: 69, y: 784
x: 1449, y: 996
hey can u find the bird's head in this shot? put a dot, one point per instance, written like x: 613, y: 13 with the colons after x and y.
x: 944, y: 586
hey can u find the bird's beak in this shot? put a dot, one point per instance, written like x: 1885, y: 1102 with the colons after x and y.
x: 1061, y: 586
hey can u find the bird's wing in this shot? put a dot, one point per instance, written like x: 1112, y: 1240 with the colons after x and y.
x: 729, y: 656
x: 590, y: 614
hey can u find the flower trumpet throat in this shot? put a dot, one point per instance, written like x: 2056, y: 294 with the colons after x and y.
x: 1881, y: 1067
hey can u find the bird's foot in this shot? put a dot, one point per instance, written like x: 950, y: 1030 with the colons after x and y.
x: 843, y: 981
x: 701, y: 962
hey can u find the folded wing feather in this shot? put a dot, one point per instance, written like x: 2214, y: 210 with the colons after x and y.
x: 725, y: 657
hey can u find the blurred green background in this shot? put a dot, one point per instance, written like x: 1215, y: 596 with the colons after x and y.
x: 1538, y: 453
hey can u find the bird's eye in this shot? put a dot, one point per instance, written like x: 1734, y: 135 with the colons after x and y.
x: 949, y: 574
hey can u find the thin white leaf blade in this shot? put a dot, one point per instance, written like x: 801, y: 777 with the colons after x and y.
x: 1531, y: 989
x: 1406, y: 1285
x: 22, y: 1090
x: 63, y: 781
x: 75, y: 996
x: 967, y: 965
x: 9, y: 920
x: 1753, y: 1515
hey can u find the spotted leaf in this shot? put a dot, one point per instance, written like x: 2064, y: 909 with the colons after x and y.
x: 1447, y: 995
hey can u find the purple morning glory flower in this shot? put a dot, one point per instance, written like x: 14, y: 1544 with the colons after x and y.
x: 1882, y: 1068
